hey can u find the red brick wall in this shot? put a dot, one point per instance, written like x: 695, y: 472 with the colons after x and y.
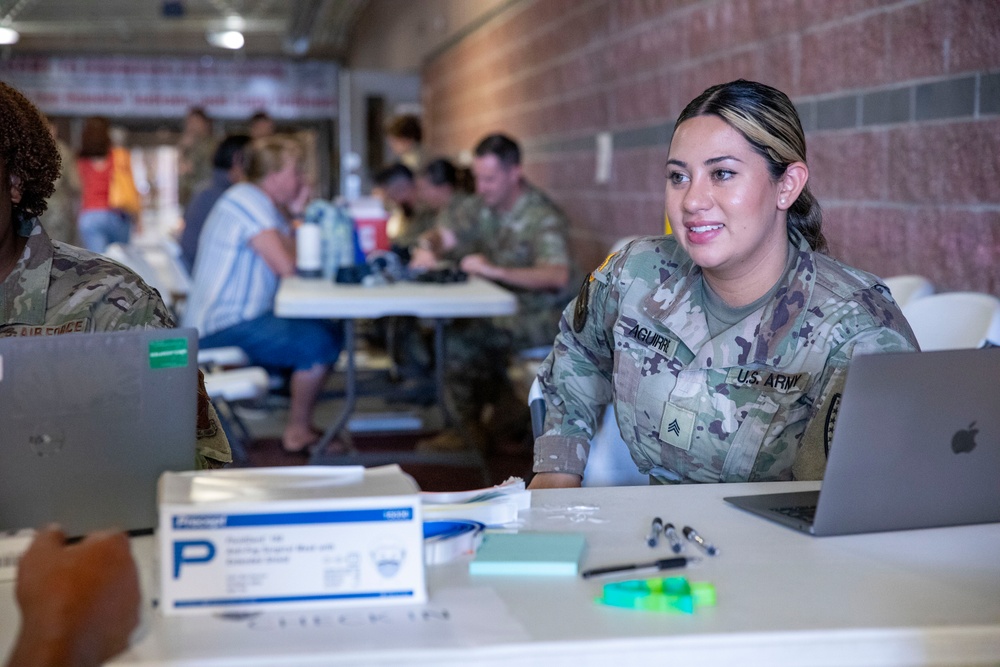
x: 900, y: 100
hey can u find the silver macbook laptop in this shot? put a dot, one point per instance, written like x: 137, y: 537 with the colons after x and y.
x: 916, y: 445
x: 89, y: 421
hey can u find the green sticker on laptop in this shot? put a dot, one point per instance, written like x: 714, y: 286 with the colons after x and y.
x: 168, y: 353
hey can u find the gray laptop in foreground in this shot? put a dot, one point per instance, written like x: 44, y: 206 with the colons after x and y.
x: 916, y: 445
x: 89, y: 421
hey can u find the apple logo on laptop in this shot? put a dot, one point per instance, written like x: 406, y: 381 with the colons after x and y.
x: 964, y: 440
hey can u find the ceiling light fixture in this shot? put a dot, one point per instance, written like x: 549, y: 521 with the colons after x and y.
x: 8, y: 35
x: 225, y: 39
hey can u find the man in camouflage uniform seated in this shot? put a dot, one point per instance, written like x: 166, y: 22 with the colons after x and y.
x: 518, y: 238
x: 50, y: 288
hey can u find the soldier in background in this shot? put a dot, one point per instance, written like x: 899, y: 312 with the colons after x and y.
x: 261, y: 125
x: 404, y: 135
x: 59, y: 219
x: 520, y: 239
x: 228, y: 168
x: 440, y: 188
x: 724, y: 347
x: 408, y: 217
x: 194, y: 167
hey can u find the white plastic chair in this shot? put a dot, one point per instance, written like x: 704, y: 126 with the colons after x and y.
x: 609, y: 463
x: 907, y: 288
x: 622, y: 242
x: 238, y: 384
x: 227, y: 387
x: 955, y: 320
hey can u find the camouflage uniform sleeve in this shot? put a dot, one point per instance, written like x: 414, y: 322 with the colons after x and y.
x: 576, y: 377
x: 551, y: 243
x: 463, y: 219
x: 212, y: 449
x: 810, y: 460
x: 144, y: 310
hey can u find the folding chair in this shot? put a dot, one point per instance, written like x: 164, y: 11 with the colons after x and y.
x: 955, y: 320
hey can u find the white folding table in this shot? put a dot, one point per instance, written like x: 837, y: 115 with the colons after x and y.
x: 915, y: 597
x: 318, y: 298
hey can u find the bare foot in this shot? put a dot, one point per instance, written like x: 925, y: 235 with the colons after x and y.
x: 297, y: 440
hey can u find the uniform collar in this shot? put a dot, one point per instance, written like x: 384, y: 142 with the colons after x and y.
x: 677, y: 305
x: 26, y: 288
x: 516, y: 211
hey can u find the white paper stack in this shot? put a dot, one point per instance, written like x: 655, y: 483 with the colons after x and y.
x: 493, y: 506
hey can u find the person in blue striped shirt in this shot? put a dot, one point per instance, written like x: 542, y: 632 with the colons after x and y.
x: 245, y: 248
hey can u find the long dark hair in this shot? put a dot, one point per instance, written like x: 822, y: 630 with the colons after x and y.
x: 768, y: 121
x: 96, y: 138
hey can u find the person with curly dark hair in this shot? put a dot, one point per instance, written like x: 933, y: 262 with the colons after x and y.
x: 48, y: 287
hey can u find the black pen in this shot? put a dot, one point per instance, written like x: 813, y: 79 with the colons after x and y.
x: 693, y: 535
x: 655, y: 566
x: 673, y: 538
x: 654, y: 532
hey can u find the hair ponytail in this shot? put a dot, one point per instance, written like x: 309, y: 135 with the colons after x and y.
x: 806, y: 217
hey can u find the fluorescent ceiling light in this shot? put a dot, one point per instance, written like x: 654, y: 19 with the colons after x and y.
x: 8, y: 35
x: 225, y: 39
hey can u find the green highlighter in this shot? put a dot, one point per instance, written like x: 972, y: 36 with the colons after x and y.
x: 666, y: 594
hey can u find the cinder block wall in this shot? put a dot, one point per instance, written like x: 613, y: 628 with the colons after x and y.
x: 900, y: 100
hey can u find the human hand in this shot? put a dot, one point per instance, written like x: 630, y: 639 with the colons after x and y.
x: 422, y: 258
x: 555, y: 480
x: 298, y: 204
x: 478, y: 265
x: 79, y: 603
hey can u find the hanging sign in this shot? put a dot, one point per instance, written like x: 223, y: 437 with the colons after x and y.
x: 119, y: 86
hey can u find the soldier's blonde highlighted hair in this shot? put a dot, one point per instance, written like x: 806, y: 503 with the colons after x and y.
x: 271, y: 154
x: 768, y: 121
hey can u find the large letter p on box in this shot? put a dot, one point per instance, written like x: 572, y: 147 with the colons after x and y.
x: 191, y: 551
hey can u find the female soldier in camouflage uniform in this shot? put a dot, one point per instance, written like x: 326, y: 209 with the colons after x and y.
x: 724, y: 347
x: 50, y: 288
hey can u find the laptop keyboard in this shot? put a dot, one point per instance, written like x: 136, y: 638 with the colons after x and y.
x: 802, y: 512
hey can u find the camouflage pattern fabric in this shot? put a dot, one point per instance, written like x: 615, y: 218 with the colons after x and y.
x: 59, y: 289
x: 461, y: 215
x: 413, y: 226
x: 755, y: 403
x: 479, y: 351
x: 198, y: 157
x: 533, y: 232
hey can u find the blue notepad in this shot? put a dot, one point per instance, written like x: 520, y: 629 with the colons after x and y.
x: 529, y: 554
